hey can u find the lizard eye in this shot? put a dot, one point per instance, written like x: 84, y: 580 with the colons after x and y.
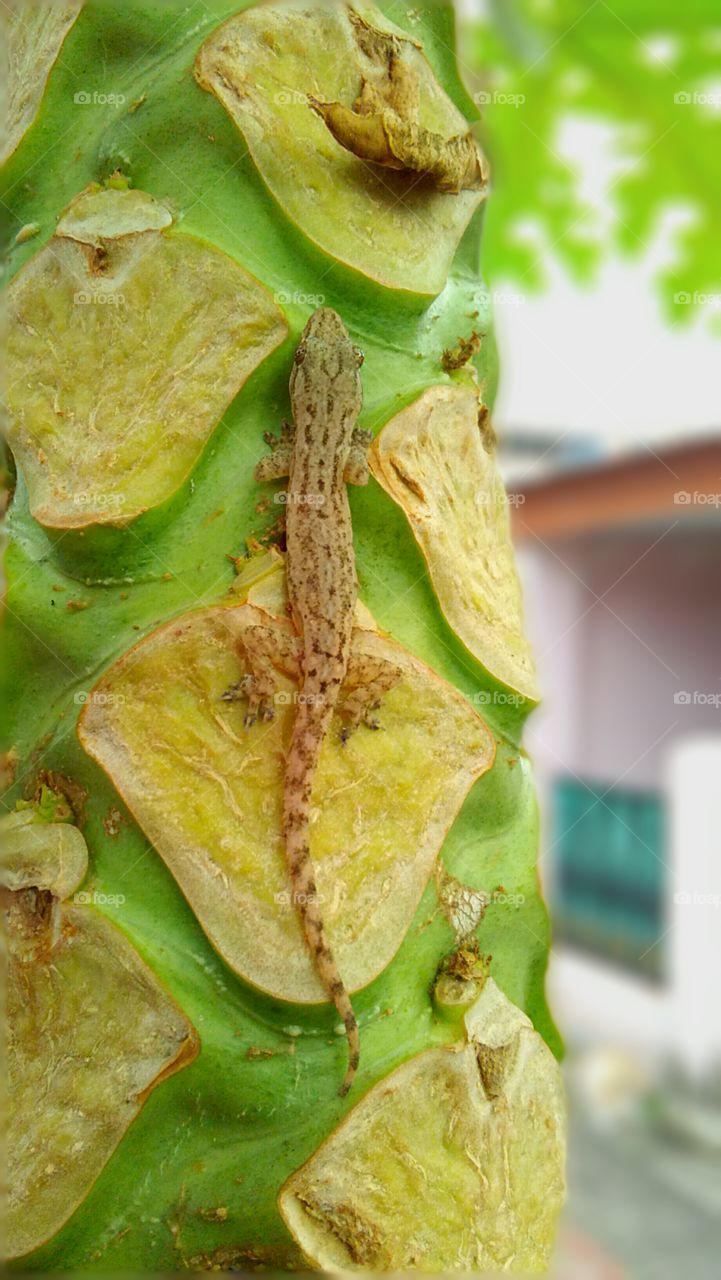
x: 359, y: 356
x: 299, y: 356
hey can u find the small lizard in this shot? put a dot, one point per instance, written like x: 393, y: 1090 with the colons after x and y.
x: 321, y: 452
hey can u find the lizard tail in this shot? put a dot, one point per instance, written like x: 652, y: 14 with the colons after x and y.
x: 306, y: 899
x: 300, y: 865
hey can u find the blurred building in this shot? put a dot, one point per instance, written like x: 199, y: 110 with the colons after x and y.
x: 621, y: 562
x: 620, y: 557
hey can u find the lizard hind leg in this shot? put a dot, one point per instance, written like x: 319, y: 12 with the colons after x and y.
x: 264, y: 651
x: 367, y: 679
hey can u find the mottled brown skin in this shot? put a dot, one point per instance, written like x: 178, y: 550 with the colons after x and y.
x: 326, y: 396
x: 321, y: 455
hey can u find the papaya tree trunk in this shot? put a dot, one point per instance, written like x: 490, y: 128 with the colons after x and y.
x: 186, y: 185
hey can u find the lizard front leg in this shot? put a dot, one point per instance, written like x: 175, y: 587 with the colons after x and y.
x: 276, y: 464
x: 356, y: 468
x: 263, y: 652
x: 367, y: 679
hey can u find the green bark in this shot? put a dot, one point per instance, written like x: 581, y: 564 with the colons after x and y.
x: 196, y: 1177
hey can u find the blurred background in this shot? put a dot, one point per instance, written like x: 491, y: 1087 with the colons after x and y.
x: 602, y: 252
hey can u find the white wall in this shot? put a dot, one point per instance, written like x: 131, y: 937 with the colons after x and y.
x: 620, y: 627
x: 610, y: 669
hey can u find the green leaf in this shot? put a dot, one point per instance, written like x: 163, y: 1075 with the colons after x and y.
x: 651, y: 74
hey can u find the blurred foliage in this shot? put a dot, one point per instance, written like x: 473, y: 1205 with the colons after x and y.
x: 647, y: 75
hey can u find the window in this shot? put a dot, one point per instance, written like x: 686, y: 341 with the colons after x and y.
x: 608, y: 894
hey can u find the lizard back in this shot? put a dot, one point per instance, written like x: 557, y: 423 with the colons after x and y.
x: 326, y: 396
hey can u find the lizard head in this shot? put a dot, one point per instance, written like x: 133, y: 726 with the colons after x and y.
x: 327, y: 359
